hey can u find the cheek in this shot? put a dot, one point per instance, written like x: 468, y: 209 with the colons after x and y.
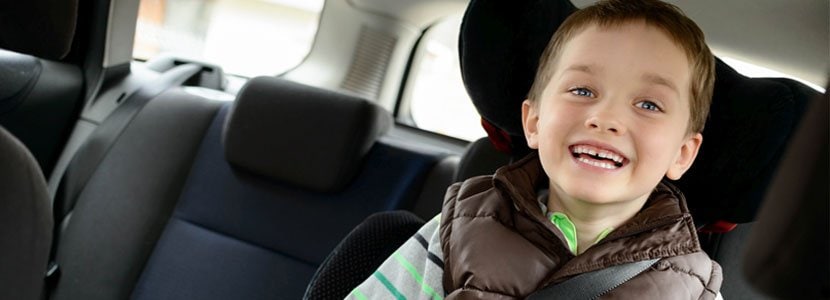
x: 656, y: 143
x: 554, y: 123
x: 559, y: 114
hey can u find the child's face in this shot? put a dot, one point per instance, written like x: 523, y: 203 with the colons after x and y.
x: 621, y: 92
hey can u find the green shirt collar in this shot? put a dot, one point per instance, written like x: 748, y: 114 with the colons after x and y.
x: 568, y: 229
x: 564, y: 224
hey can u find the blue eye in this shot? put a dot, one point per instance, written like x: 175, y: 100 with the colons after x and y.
x: 582, y: 92
x: 648, y: 105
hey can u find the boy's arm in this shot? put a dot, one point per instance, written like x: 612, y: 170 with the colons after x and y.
x: 414, y: 271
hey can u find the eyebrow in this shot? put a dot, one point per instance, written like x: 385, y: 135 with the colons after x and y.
x: 582, y: 68
x: 588, y: 69
x: 660, y: 80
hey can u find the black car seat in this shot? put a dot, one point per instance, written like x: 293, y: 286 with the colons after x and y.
x: 360, y: 253
x: 204, y: 199
x: 25, y: 221
x: 517, y: 42
x: 40, y: 89
x: 750, y: 122
x: 734, y: 169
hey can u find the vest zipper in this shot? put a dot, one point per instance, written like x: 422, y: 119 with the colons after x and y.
x: 550, y: 235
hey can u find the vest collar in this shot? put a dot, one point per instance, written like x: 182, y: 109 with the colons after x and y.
x: 662, y: 228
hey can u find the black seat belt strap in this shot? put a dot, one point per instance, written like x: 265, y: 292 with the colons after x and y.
x: 592, y: 285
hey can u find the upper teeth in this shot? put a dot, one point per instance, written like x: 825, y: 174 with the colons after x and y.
x: 600, y: 153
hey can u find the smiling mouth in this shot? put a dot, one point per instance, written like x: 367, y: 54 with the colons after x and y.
x: 598, y: 157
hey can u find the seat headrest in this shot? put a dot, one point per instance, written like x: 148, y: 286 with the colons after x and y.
x: 42, y: 28
x: 499, y: 47
x: 749, y: 122
x: 305, y: 136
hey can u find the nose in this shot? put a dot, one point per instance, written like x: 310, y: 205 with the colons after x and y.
x: 605, y: 120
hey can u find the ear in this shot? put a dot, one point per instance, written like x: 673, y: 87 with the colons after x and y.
x: 530, y: 121
x: 685, y: 156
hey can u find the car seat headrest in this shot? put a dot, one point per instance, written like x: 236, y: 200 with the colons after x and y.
x: 750, y: 118
x: 43, y: 28
x: 749, y: 123
x: 499, y: 47
x: 302, y: 135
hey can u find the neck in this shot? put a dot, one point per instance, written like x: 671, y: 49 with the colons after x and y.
x: 590, y: 219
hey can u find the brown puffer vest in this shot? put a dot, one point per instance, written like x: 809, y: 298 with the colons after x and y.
x: 498, y: 244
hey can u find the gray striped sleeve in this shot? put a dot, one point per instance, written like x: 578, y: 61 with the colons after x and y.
x: 414, y: 271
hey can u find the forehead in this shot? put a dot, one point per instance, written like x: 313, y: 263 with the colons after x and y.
x: 632, y: 48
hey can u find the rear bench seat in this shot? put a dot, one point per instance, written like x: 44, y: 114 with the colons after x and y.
x: 198, y: 199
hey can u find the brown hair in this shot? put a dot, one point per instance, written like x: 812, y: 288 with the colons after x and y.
x: 666, y: 17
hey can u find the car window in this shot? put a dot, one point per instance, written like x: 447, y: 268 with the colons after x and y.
x: 245, y: 37
x: 753, y: 70
x: 435, y: 98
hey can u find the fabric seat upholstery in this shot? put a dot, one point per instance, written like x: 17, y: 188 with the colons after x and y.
x: 25, y: 221
x: 203, y: 199
x: 258, y: 224
x: 110, y: 229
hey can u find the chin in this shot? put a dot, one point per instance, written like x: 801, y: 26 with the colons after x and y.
x: 593, y: 195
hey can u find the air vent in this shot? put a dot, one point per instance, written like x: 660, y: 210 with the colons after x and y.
x: 374, y: 49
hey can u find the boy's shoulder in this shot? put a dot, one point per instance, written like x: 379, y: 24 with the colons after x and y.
x: 474, y: 197
x: 515, y: 183
x: 469, y: 187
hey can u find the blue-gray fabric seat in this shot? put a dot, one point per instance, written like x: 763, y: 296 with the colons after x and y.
x: 199, y: 199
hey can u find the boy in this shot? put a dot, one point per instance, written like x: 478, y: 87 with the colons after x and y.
x: 618, y: 103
